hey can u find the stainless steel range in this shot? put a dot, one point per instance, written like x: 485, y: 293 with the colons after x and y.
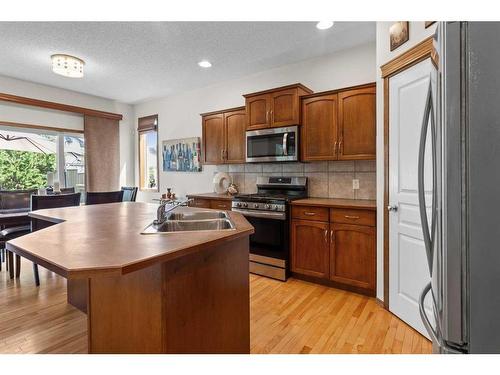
x: 269, y: 212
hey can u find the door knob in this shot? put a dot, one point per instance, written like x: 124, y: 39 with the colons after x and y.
x: 392, y: 208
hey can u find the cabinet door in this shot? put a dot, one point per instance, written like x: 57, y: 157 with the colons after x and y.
x: 285, y: 108
x: 319, y: 128
x: 310, y: 248
x: 352, y: 255
x: 234, y: 131
x: 213, y: 139
x: 258, y: 111
x: 357, y: 124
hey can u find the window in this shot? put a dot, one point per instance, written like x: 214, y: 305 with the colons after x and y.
x: 148, y: 153
x: 29, y: 155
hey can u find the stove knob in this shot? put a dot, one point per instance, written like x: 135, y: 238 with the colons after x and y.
x: 238, y: 204
x: 245, y: 205
x: 276, y: 208
x: 256, y: 205
x: 267, y: 206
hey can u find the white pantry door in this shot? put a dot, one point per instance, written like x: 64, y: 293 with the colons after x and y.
x: 408, y: 270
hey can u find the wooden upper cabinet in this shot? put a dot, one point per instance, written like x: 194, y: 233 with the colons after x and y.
x: 224, y: 136
x: 284, y: 108
x: 258, y: 109
x: 310, y: 247
x: 234, y: 131
x: 352, y: 255
x: 319, y: 128
x: 339, y: 125
x: 213, y: 138
x: 275, y: 107
x: 357, y: 128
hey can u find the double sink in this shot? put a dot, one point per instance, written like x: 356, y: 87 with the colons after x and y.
x: 191, y: 221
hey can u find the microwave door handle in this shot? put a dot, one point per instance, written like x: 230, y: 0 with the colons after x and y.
x: 421, y: 188
x: 285, y: 144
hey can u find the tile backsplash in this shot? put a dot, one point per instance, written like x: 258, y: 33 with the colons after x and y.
x: 326, y: 179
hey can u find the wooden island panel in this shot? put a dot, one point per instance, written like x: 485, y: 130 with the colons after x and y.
x: 170, y: 293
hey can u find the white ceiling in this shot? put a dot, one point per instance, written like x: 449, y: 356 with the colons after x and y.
x: 135, y: 61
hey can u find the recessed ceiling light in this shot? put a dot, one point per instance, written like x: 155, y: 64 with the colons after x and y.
x: 68, y: 66
x: 323, y: 25
x: 205, y: 64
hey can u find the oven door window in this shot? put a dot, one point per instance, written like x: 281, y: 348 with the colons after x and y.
x: 270, y: 238
x: 271, y: 145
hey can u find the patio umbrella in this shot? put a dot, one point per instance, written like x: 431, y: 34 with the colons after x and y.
x: 26, y: 142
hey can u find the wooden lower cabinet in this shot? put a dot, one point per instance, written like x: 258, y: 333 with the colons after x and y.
x: 352, y: 255
x: 213, y: 203
x: 200, y: 203
x: 335, y: 253
x: 220, y: 204
x: 310, y: 247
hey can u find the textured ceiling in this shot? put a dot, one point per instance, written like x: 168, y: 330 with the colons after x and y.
x: 136, y: 61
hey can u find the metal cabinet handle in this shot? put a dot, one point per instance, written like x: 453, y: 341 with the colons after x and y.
x: 326, y: 235
x: 267, y: 116
x: 221, y: 205
x: 332, y: 237
x: 309, y: 213
x: 351, y: 217
x: 340, y: 144
x: 335, y: 148
x: 392, y: 208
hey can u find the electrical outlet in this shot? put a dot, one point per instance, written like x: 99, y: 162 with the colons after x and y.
x: 355, y: 184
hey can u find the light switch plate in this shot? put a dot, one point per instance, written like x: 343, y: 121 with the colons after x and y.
x: 355, y: 184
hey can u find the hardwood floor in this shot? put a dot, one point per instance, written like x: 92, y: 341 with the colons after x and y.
x: 291, y: 317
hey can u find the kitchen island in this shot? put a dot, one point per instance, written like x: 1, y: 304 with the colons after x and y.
x: 178, y: 292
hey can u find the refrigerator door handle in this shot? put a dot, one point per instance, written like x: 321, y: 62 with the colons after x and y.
x: 428, y: 326
x: 435, y: 335
x: 428, y: 236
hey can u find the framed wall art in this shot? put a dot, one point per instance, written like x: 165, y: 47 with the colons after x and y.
x: 181, y: 155
x: 399, y: 34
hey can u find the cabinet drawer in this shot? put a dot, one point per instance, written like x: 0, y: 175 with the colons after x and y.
x: 310, y: 213
x: 200, y: 203
x: 349, y: 216
x: 220, y: 204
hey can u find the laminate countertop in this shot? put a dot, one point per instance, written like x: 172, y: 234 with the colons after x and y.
x: 106, y: 239
x: 211, y: 196
x: 337, y: 203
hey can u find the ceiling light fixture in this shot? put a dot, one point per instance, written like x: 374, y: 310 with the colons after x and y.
x: 323, y: 25
x: 68, y: 66
x: 205, y: 64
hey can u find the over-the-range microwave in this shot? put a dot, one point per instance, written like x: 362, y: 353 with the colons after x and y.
x: 275, y: 144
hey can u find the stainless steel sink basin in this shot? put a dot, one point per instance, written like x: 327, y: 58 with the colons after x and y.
x: 170, y: 226
x: 197, y: 215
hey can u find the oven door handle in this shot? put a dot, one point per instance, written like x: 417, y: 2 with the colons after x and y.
x: 285, y: 144
x: 263, y: 215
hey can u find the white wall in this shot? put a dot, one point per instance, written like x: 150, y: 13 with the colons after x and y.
x: 178, y: 115
x: 418, y: 32
x: 39, y: 116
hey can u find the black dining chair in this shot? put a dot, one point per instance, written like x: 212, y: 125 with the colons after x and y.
x: 129, y: 193
x: 39, y: 202
x: 104, y: 197
x: 12, y: 201
x: 69, y: 190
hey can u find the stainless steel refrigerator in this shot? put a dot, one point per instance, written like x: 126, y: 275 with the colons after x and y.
x: 462, y: 231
